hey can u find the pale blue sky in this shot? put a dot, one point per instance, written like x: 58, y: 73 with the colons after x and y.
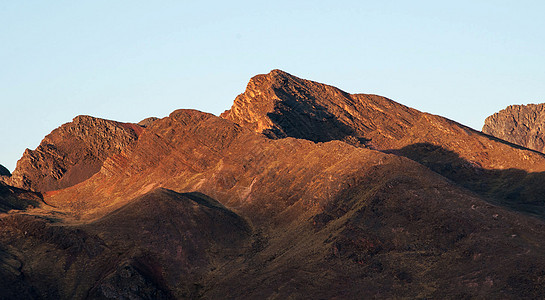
x: 127, y: 60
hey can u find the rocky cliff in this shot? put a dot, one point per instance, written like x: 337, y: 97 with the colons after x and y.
x: 523, y: 125
x: 72, y: 153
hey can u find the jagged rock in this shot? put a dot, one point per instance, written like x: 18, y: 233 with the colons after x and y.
x: 279, y: 104
x: 523, y: 125
x: 147, y: 121
x: 72, y: 153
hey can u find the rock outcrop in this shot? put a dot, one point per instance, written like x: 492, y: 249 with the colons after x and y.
x: 72, y: 153
x: 147, y: 121
x: 281, y: 105
x: 523, y: 125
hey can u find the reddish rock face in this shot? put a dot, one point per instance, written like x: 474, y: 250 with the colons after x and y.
x: 279, y: 105
x: 195, y: 151
x: 523, y: 125
x: 72, y: 153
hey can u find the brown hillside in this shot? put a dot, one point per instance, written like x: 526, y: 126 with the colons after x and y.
x: 157, y: 247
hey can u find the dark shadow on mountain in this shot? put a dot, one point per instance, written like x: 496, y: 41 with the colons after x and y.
x: 513, y: 188
x: 508, y: 143
x: 305, y: 119
x: 19, y: 199
x: 4, y: 171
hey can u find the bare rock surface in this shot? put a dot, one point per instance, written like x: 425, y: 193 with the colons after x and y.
x: 523, y: 125
x: 72, y: 153
x: 147, y: 121
x: 279, y: 104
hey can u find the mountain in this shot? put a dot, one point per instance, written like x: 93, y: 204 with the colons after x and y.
x: 328, y: 219
x: 72, y: 153
x: 300, y: 190
x: 523, y: 125
x: 278, y: 104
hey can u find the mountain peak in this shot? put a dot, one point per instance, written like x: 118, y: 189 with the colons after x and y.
x: 279, y: 104
x: 72, y: 153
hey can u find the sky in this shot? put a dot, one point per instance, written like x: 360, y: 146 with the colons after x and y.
x: 128, y: 60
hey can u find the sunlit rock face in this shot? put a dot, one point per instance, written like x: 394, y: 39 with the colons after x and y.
x: 523, y: 125
x: 72, y: 153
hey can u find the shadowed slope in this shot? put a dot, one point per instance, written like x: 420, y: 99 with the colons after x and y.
x: 398, y: 233
x: 4, y: 171
x: 160, y: 246
x: 18, y: 199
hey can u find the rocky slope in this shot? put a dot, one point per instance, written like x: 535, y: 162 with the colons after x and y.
x: 157, y: 247
x: 279, y: 104
x: 523, y: 125
x: 12, y: 198
x: 72, y: 153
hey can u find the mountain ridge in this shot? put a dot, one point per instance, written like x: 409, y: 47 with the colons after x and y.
x: 300, y: 190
